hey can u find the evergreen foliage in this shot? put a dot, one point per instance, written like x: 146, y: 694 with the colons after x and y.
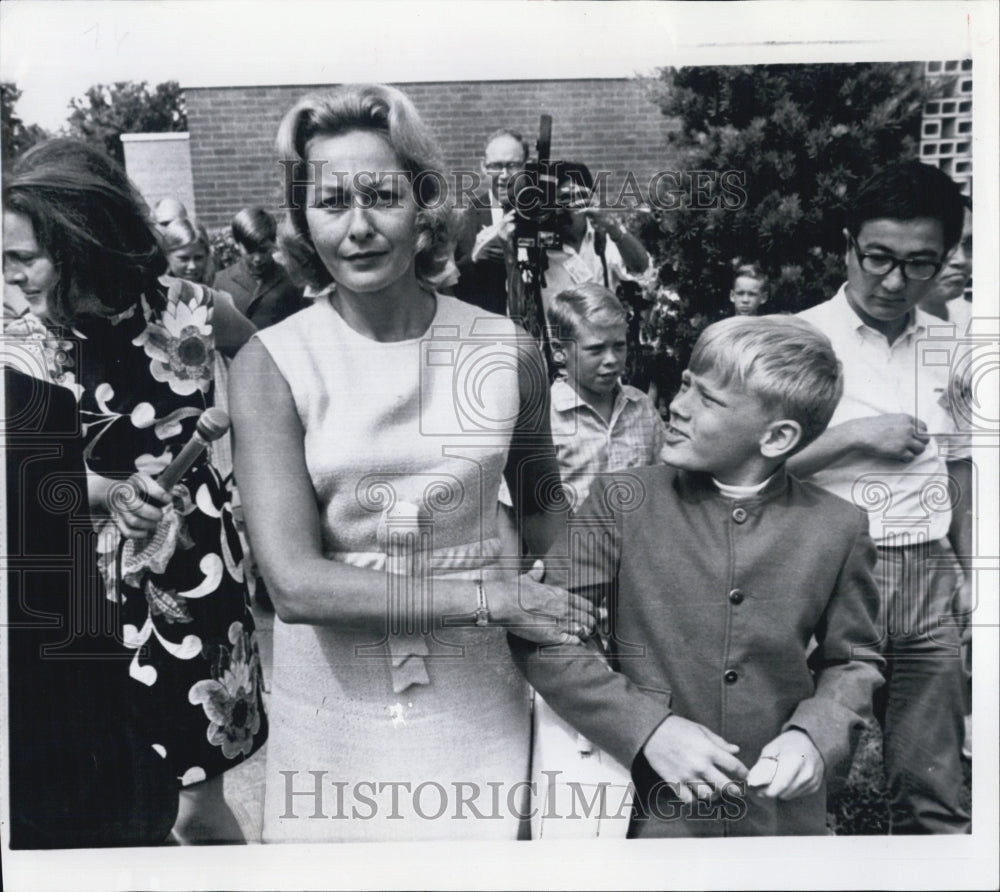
x: 15, y: 136
x: 800, y: 139
x: 107, y: 111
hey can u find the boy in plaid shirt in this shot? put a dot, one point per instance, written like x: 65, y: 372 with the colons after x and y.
x: 598, y: 424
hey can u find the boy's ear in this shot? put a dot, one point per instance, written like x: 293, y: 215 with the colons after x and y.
x: 780, y: 438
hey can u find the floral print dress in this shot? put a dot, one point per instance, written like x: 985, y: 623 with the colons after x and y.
x: 144, y: 377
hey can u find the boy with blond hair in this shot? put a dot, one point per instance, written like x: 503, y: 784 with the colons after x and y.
x: 598, y: 423
x: 717, y: 570
x: 749, y: 291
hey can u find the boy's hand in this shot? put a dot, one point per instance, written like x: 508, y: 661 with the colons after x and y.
x: 799, y: 766
x: 683, y: 752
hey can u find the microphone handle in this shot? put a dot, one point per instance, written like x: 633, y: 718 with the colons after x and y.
x: 172, y: 474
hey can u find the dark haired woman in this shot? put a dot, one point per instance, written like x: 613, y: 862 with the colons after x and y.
x: 79, y: 245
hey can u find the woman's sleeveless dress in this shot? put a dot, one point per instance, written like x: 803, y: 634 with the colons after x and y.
x: 143, y: 378
x: 394, y: 733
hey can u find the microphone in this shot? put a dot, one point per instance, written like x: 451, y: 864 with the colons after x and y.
x: 212, y: 424
x: 152, y: 550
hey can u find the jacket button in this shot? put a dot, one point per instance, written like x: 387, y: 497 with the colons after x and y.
x: 739, y: 515
x: 731, y: 676
x: 736, y: 596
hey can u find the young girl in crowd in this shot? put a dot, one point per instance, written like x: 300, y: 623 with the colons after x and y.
x: 188, y: 250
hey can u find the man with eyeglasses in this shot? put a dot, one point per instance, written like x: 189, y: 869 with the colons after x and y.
x: 882, y: 452
x: 483, y: 249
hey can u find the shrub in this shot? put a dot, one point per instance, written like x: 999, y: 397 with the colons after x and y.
x: 800, y: 139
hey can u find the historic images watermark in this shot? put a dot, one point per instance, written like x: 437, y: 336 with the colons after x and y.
x: 318, y: 795
x: 527, y: 192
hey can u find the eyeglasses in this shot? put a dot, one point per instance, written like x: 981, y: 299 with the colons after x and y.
x: 883, y: 264
x: 503, y: 166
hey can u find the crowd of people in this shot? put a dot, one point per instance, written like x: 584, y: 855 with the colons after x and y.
x: 458, y: 507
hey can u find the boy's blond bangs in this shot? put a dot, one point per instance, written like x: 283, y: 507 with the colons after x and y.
x: 786, y: 363
x: 589, y: 304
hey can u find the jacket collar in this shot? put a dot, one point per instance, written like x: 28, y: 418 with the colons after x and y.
x: 697, y: 486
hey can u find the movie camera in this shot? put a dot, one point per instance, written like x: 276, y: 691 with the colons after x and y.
x: 532, y: 192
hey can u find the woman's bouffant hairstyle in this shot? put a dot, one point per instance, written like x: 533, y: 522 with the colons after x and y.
x: 384, y: 110
x: 93, y: 224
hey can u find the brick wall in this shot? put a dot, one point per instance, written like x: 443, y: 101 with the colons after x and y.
x: 609, y: 124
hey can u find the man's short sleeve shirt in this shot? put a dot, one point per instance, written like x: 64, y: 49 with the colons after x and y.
x: 907, y: 502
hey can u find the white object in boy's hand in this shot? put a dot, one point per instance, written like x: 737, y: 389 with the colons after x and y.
x: 763, y: 772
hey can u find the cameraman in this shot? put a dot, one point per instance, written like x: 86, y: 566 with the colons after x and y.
x: 487, y: 225
x: 595, y: 247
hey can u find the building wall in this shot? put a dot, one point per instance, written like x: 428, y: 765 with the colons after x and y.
x: 160, y: 165
x: 946, y: 127
x: 609, y: 124
x: 946, y: 133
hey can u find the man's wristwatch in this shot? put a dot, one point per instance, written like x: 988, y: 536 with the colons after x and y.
x: 482, y: 609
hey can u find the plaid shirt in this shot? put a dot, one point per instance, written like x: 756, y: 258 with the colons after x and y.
x: 587, y: 445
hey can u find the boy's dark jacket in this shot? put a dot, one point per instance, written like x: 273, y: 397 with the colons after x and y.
x: 265, y: 302
x: 712, y: 604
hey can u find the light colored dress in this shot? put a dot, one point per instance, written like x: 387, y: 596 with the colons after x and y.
x: 396, y: 732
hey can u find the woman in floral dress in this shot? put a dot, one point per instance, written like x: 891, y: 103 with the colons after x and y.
x: 139, y: 350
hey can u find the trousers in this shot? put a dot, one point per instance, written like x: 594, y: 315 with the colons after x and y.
x: 920, y: 707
